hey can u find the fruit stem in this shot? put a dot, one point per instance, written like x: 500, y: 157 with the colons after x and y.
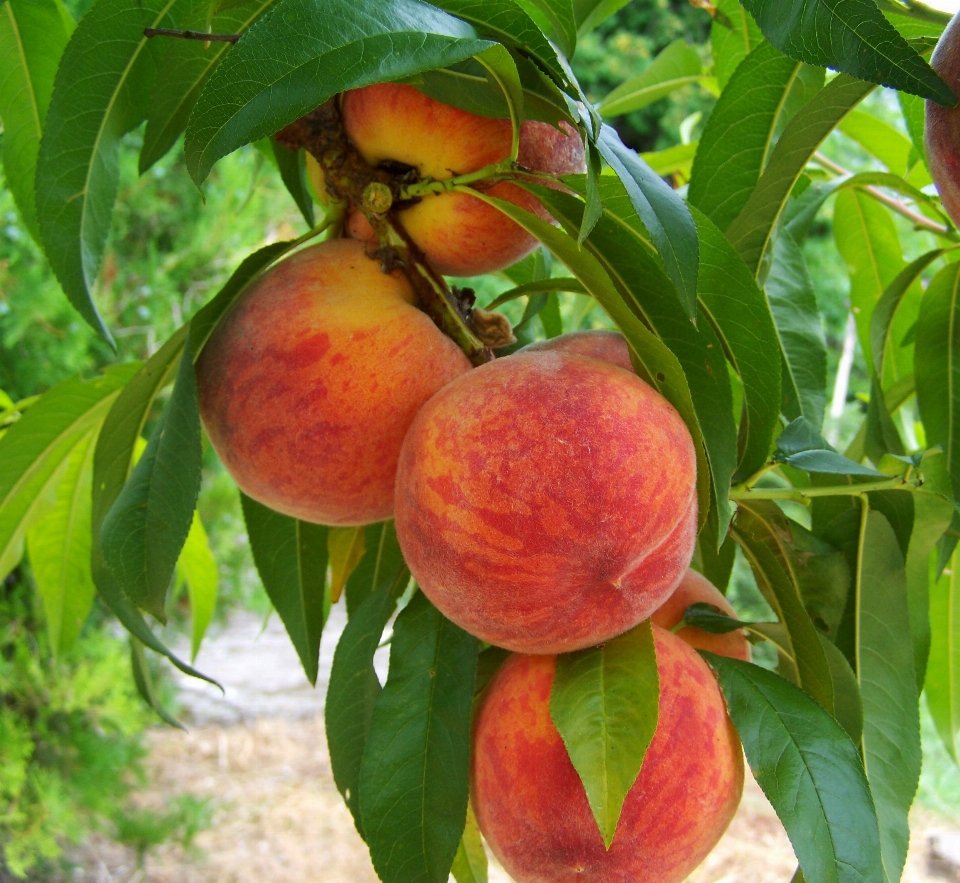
x: 918, y: 220
x: 505, y: 170
x: 373, y: 191
x: 802, y: 494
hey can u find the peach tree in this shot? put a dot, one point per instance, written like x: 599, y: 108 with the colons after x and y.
x: 695, y: 255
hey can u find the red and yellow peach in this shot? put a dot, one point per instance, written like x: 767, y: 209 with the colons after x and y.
x: 532, y: 807
x: 309, y: 384
x: 547, y: 502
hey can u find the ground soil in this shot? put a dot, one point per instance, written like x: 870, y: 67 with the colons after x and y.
x: 260, y: 758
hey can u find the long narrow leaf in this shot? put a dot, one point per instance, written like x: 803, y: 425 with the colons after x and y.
x: 304, y: 52
x: 414, y: 779
x: 33, y: 34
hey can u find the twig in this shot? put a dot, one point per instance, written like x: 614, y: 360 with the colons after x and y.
x: 190, y: 35
x: 899, y: 207
x: 802, y: 494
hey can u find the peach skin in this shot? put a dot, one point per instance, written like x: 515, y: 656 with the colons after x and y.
x: 459, y: 234
x: 309, y: 384
x: 547, y: 502
x: 532, y: 807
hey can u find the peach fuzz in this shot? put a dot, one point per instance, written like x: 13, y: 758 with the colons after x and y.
x: 942, y: 128
x: 697, y: 589
x: 607, y: 346
x: 546, y: 502
x: 532, y: 807
x: 459, y: 234
x: 309, y: 384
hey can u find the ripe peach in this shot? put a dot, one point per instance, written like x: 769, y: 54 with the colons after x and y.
x: 307, y: 387
x: 459, y: 234
x: 607, y: 346
x: 697, y: 589
x: 942, y: 129
x: 532, y: 807
x: 546, y: 502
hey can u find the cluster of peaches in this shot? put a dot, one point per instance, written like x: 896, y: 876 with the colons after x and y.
x: 545, y: 501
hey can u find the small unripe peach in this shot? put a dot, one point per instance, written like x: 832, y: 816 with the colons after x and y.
x: 547, y: 502
x: 697, y: 589
x: 309, y: 384
x: 532, y: 807
x: 459, y: 234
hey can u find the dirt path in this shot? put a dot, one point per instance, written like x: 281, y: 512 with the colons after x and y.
x: 259, y: 756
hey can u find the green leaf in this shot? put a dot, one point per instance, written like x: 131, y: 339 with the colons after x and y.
x: 879, y: 139
x: 507, y: 22
x: 470, y: 862
x: 590, y: 13
x: 943, y: 670
x: 882, y: 338
x: 563, y: 25
x: 765, y: 535
x: 796, y: 315
x: 604, y: 703
x: 753, y: 228
x: 676, y: 66
x: 653, y: 361
x: 891, y: 714
x: 414, y: 779
x: 663, y: 213
x: 354, y: 687
x: 810, y: 771
x: 618, y: 243
x: 380, y: 561
x: 59, y: 549
x: 291, y: 558
x: 101, y: 91
x: 198, y: 569
x: 868, y: 241
x: 914, y: 113
x: 850, y: 36
x: 184, y: 68
x: 937, y: 362
x: 33, y: 34
x: 145, y: 528
x: 739, y: 135
x: 802, y: 447
x: 35, y: 448
x: 740, y: 315
x: 733, y: 36
x: 144, y: 682
x: 306, y: 51
x: 932, y: 516
x: 292, y: 166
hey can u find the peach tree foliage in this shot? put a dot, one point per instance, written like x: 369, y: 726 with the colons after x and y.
x: 695, y: 255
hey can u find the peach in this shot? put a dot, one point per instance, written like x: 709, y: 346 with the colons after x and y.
x: 459, y: 234
x: 309, y: 384
x: 608, y: 346
x: 942, y: 129
x: 532, y: 807
x: 697, y: 589
x: 547, y: 502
